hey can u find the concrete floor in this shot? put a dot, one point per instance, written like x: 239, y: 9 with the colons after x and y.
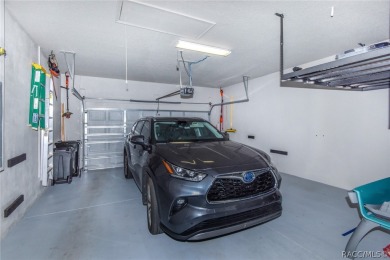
x: 100, y: 216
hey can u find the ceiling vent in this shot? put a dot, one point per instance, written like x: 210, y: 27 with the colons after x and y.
x: 161, y: 20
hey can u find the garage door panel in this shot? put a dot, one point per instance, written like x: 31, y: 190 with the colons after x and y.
x: 164, y: 114
x: 105, y: 163
x: 115, y: 117
x: 118, y: 130
x: 105, y: 117
x: 95, y: 148
x: 132, y: 115
x: 177, y: 114
x: 97, y: 116
x: 197, y: 114
x: 148, y: 113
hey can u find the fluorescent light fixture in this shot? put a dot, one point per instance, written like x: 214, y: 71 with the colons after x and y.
x: 202, y: 48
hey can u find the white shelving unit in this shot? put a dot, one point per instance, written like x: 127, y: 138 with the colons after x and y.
x: 46, y: 140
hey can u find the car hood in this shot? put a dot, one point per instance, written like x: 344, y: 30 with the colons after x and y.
x: 212, y: 155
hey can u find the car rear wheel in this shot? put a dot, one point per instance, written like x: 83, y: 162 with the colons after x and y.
x: 152, y: 209
x: 126, y: 169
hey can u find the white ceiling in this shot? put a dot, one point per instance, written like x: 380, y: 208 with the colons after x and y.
x: 248, y: 28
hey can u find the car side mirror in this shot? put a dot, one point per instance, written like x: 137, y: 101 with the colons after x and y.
x: 226, y: 135
x: 137, y: 139
x: 140, y: 140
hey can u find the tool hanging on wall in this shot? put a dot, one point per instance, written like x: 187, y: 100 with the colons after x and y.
x: 221, y: 116
x: 53, y: 68
x: 53, y: 65
x: 67, y: 114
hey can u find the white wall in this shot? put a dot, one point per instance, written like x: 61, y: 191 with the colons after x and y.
x: 2, y: 39
x: 2, y: 60
x: 19, y: 138
x: 338, y: 138
x: 94, y: 87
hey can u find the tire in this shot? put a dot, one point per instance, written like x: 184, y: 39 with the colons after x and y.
x: 126, y: 169
x: 152, y: 215
x: 144, y: 192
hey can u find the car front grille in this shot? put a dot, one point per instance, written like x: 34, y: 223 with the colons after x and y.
x: 235, y: 219
x: 233, y: 187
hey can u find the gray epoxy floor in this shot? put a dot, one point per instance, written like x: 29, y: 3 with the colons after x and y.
x: 100, y: 216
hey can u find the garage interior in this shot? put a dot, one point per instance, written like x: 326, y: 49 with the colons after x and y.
x: 118, y: 62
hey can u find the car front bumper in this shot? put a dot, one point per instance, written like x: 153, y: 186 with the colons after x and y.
x: 199, y: 219
x: 229, y: 224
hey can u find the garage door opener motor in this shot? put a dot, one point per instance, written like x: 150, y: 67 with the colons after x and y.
x: 187, y: 92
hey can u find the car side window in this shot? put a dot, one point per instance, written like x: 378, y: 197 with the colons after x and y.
x: 133, y: 127
x: 138, y: 128
x: 146, y: 130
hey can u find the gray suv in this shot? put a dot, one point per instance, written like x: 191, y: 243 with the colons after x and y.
x: 195, y: 182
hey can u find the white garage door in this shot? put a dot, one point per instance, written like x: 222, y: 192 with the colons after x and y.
x: 105, y: 130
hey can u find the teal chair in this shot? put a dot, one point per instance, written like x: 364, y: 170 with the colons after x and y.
x: 374, y: 206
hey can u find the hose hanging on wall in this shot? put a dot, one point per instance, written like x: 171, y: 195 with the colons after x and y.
x: 221, y: 116
x: 67, y: 114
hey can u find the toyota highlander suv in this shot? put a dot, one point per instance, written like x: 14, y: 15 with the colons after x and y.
x: 196, y: 183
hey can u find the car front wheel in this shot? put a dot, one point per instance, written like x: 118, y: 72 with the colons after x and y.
x: 152, y: 209
x: 126, y: 169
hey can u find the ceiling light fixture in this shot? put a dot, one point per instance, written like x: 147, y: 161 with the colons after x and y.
x: 202, y: 48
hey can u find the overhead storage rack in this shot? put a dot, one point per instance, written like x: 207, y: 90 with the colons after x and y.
x: 365, y: 71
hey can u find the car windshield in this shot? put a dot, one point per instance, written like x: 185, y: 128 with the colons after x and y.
x: 185, y: 131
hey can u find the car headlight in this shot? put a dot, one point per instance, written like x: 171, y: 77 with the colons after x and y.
x: 182, y: 173
x: 277, y: 175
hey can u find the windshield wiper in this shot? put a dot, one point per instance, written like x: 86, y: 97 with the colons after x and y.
x: 170, y: 140
x: 196, y: 140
